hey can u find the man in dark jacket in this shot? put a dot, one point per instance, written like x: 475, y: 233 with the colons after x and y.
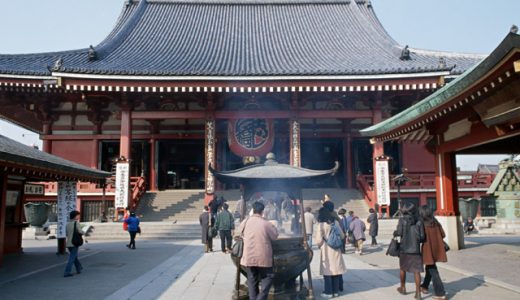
x: 206, y: 223
x: 225, y: 224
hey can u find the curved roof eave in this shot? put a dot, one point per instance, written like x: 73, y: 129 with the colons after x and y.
x: 272, y: 171
x: 447, y: 93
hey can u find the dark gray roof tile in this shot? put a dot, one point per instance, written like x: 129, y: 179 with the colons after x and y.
x: 243, y: 38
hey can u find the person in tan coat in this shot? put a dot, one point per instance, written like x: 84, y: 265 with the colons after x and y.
x: 432, y: 251
x: 332, y: 265
x: 257, y: 258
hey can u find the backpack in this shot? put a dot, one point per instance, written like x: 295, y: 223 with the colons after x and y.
x: 334, y: 240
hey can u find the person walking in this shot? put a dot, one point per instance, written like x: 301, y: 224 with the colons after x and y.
x: 72, y: 224
x: 205, y: 223
x: 225, y: 224
x: 213, y: 205
x: 433, y: 251
x: 257, y: 257
x: 344, y: 226
x: 310, y: 220
x: 332, y: 265
x: 411, y: 232
x: 374, y: 226
x: 357, y: 227
x: 133, y: 228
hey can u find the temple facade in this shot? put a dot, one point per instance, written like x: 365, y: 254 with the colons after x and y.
x: 180, y: 85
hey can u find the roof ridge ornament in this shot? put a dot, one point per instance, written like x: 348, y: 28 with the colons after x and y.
x: 92, y: 54
x: 514, y: 29
x: 57, y: 64
x: 442, y: 62
x: 405, y: 53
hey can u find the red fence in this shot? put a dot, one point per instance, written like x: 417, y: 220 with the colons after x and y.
x: 423, y: 181
x: 137, y: 186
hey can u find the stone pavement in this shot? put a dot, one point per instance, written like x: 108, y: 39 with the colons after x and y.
x: 179, y: 270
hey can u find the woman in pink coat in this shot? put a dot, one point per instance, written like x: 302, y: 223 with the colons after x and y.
x: 332, y: 265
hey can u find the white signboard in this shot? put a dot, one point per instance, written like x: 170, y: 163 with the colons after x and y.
x: 66, y: 204
x: 34, y: 189
x: 122, y: 184
x: 382, y: 182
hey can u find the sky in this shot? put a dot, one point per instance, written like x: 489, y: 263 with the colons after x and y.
x: 473, y: 26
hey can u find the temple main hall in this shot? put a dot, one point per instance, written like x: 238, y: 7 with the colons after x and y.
x: 179, y: 85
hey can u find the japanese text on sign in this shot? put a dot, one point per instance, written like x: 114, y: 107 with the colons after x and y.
x: 122, y: 181
x: 66, y: 204
x: 382, y: 182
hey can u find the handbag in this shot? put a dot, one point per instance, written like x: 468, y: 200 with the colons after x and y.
x: 446, y: 246
x: 212, y: 232
x: 393, y: 248
x: 139, y: 229
x: 77, y: 239
x: 237, y: 250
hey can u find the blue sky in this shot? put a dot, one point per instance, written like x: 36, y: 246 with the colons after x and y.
x: 474, y: 26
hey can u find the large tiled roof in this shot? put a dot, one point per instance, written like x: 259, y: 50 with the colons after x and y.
x: 243, y: 38
x: 19, y: 155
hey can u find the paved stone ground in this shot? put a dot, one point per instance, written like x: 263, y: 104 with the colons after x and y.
x: 180, y: 270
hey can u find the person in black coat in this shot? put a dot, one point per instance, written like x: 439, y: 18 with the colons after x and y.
x: 411, y: 232
x: 374, y: 225
x: 206, y: 222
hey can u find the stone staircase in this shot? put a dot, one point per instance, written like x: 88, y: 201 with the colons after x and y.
x: 169, y: 206
x: 149, y: 230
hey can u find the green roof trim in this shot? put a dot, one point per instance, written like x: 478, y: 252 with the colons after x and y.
x: 448, y: 92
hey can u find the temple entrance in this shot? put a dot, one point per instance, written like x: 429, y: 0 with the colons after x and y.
x: 140, y: 157
x: 320, y: 154
x: 180, y: 164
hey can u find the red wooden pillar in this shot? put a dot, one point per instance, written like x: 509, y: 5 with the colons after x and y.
x: 209, y: 149
x: 347, y: 144
x: 378, y: 147
x: 3, y: 204
x: 94, y: 156
x: 153, y: 174
x: 125, y: 145
x: 446, y: 184
x: 447, y: 199
x: 47, y: 144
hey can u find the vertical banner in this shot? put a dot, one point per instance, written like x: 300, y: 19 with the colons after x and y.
x: 295, y: 144
x: 66, y: 204
x: 122, y: 184
x: 210, y: 155
x: 382, y: 182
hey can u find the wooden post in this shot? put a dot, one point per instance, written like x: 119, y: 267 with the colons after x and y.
x: 125, y: 145
x: 47, y: 144
x: 294, y: 132
x: 3, y: 204
x: 209, y: 159
x: 153, y: 176
x: 306, y: 247
x: 348, y: 165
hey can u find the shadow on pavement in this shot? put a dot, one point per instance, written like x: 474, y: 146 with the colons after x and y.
x: 108, y: 266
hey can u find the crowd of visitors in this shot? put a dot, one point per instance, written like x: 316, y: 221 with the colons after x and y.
x: 420, y: 237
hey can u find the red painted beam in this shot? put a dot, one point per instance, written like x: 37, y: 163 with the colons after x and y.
x: 479, y: 135
x: 159, y: 115
x: 263, y: 114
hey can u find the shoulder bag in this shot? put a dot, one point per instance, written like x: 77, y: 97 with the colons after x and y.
x: 238, y: 247
x: 393, y: 248
x: 77, y: 239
